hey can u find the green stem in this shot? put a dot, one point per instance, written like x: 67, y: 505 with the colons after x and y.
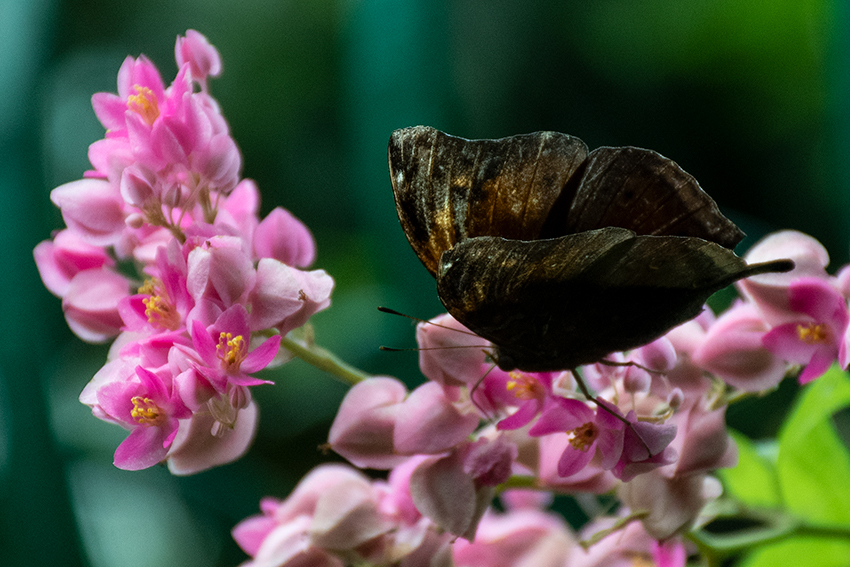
x: 777, y: 526
x: 324, y: 359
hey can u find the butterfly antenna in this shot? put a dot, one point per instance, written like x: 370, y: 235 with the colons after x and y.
x: 412, y: 318
x: 475, y: 387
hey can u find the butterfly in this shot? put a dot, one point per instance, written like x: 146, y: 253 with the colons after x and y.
x: 556, y: 255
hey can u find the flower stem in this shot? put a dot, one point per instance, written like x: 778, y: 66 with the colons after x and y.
x: 324, y: 359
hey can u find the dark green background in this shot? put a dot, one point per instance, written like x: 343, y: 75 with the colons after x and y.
x: 750, y: 96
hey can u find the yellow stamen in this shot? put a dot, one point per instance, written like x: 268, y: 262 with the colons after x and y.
x: 158, y: 307
x: 642, y: 561
x: 812, y: 333
x: 230, y: 349
x: 524, y: 387
x: 146, y: 412
x: 583, y: 436
x: 144, y: 104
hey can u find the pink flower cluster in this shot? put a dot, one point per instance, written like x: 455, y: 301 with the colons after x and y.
x: 653, y: 430
x: 336, y: 516
x: 217, y: 286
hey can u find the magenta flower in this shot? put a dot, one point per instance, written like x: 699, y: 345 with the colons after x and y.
x: 526, y: 391
x: 68, y: 254
x: 588, y: 432
x: 150, y: 409
x: 223, y: 348
x: 816, y: 338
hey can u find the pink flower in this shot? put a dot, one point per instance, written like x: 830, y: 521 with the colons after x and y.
x: 196, y: 448
x: 150, y: 409
x: 588, y: 433
x: 770, y: 291
x: 363, y: 428
x: 62, y: 258
x: 333, y: 510
x: 528, y: 391
x: 450, y: 353
x: 285, y: 298
x: 93, y: 208
x: 525, y: 537
x: 223, y: 347
x: 444, y: 492
x: 734, y: 351
x: 428, y: 423
x: 285, y: 238
x: 816, y: 338
x: 673, y: 504
x: 203, y: 58
x: 91, y: 304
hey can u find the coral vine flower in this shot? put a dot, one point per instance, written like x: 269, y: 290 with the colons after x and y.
x: 223, y: 347
x: 816, y: 339
x: 526, y: 390
x: 588, y: 432
x: 150, y: 409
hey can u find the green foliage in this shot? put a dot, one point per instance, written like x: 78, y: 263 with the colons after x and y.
x: 799, y: 497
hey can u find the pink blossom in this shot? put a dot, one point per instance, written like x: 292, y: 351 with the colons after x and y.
x: 60, y: 259
x: 91, y: 304
x: 150, y: 409
x: 734, y: 351
x: 702, y: 441
x: 528, y: 391
x: 197, y: 447
x: 333, y: 511
x: 522, y: 538
x: 285, y: 238
x: 673, y: 504
x: 816, y: 338
x: 444, y: 492
x: 93, y: 208
x: 363, y: 428
x: 285, y: 298
x: 196, y: 51
x: 427, y: 422
x: 221, y: 271
x: 770, y: 291
x: 588, y: 433
x: 223, y: 347
x: 450, y: 354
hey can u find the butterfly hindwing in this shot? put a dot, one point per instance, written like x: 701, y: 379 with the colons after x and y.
x: 558, y: 303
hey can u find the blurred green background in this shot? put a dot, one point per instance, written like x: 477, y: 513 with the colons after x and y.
x: 750, y: 96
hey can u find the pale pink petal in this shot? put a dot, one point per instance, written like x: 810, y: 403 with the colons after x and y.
x: 428, y: 423
x: 195, y: 449
x: 143, y: 448
x: 362, y: 430
x: 93, y: 208
x: 91, y: 304
x: 261, y: 356
x: 285, y: 238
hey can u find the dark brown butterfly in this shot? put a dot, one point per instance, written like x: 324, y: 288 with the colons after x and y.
x: 556, y: 255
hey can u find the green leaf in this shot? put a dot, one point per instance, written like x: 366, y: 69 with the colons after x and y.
x: 802, y: 551
x: 813, y: 464
x: 753, y: 481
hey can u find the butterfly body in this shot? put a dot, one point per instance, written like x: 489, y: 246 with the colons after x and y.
x: 556, y: 255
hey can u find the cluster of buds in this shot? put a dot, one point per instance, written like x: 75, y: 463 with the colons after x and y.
x: 217, y: 287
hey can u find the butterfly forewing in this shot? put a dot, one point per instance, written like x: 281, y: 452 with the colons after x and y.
x: 448, y: 189
x: 642, y: 191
